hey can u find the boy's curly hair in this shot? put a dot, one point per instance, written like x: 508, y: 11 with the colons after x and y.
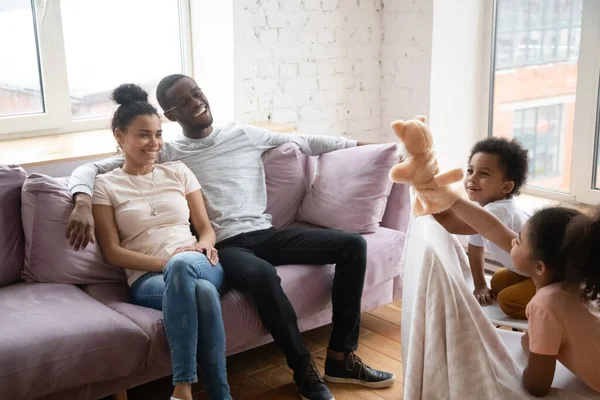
x: 514, y: 159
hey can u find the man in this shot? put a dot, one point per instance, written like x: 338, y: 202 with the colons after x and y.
x: 227, y: 160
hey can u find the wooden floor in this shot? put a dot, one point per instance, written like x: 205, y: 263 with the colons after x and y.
x: 262, y: 373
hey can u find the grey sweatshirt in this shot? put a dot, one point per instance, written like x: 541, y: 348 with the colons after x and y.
x: 229, y: 167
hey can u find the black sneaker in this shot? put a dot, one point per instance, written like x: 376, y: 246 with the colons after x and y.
x: 310, y: 384
x: 353, y: 370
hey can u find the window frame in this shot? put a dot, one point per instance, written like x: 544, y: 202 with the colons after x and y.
x: 587, y: 109
x: 53, y: 77
x: 57, y: 118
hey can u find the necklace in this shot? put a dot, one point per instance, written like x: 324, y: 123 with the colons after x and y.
x: 153, y: 203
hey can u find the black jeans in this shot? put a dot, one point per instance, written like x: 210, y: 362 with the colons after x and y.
x: 249, y: 261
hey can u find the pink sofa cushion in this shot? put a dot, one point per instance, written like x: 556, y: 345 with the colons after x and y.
x: 55, y: 337
x: 46, y: 206
x: 11, y: 230
x: 350, y: 189
x: 286, y: 183
x: 242, y: 322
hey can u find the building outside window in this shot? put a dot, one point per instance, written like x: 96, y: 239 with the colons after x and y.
x: 540, y: 130
x: 537, y: 63
x: 545, y: 92
x: 534, y: 32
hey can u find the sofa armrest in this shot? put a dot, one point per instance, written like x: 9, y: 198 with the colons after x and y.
x: 397, y: 210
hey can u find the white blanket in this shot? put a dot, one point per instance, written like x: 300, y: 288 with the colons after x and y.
x: 450, y: 349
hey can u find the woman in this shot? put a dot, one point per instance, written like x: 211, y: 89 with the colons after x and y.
x: 142, y: 214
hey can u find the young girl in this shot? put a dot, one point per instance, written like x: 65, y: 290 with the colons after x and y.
x: 142, y: 214
x: 559, y: 249
x: 496, y: 172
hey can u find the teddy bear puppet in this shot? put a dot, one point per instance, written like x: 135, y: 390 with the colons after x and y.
x: 433, y: 193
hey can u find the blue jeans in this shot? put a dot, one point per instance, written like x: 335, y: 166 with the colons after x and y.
x: 188, y: 294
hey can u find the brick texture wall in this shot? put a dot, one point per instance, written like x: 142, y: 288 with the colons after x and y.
x: 338, y: 67
x: 406, y: 60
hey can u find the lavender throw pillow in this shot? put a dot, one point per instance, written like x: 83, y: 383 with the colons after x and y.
x: 286, y: 182
x: 46, y: 206
x: 350, y: 189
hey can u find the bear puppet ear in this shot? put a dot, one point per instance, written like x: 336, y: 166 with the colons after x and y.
x: 398, y: 127
x: 421, y: 118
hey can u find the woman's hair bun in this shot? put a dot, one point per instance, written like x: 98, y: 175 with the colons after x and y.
x: 129, y: 93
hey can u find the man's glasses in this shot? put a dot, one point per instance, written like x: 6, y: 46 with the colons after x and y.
x: 185, y: 101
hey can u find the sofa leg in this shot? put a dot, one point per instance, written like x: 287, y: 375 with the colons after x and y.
x: 120, y: 396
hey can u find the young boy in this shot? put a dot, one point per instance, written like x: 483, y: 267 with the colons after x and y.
x: 497, y: 170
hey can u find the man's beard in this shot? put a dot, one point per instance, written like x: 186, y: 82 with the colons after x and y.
x: 203, y: 124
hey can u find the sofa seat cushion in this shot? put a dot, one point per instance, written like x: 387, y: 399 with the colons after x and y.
x: 384, y: 253
x: 54, y: 337
x: 116, y: 296
x: 242, y: 323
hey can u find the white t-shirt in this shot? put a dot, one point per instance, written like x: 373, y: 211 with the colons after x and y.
x: 131, y: 197
x: 510, y: 215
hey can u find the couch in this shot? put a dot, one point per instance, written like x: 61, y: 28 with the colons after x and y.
x: 67, y: 329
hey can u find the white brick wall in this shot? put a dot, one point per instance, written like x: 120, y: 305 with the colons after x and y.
x: 338, y: 67
x: 405, y: 60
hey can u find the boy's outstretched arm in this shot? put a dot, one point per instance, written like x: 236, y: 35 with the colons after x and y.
x: 484, y: 223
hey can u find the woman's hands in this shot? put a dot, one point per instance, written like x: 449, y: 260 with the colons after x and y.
x: 211, y: 253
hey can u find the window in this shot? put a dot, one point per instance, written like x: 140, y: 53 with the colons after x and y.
x: 531, y: 32
x: 68, y: 55
x: 125, y: 51
x: 20, y: 84
x: 541, y: 132
x: 28, y: 98
x: 545, y: 90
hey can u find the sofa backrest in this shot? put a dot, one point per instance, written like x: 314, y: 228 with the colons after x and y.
x: 11, y: 232
x: 289, y: 176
